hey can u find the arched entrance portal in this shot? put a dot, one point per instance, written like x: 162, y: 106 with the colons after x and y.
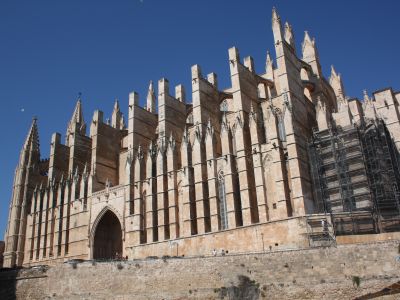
x: 108, y: 237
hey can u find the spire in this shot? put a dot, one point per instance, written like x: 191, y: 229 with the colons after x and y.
x: 275, y: 16
x: 369, y: 107
x: 77, y: 123
x: 308, y: 44
x: 269, y: 66
x: 276, y: 26
x: 116, y: 105
x: 336, y: 83
x: 116, y: 116
x: 333, y: 72
x: 289, y: 36
x: 310, y: 54
x: 151, y: 98
x: 32, y: 139
x: 30, y: 152
x: 77, y: 116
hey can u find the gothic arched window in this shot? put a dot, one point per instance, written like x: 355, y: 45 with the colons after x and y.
x: 222, y: 201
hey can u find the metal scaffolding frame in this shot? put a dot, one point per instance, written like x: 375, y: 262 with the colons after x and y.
x: 356, y: 177
x: 320, y: 230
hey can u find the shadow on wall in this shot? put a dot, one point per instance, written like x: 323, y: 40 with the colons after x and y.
x: 389, y: 290
x: 8, y: 283
x: 9, y: 278
x: 245, y: 289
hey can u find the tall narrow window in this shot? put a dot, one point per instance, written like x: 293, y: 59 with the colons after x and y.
x: 260, y: 119
x: 281, y: 129
x: 222, y: 200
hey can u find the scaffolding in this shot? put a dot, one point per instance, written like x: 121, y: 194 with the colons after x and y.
x: 320, y: 230
x: 356, y: 178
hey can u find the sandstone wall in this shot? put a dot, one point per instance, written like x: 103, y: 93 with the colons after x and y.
x: 324, y: 273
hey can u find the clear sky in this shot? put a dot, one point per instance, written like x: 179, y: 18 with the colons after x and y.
x: 52, y: 50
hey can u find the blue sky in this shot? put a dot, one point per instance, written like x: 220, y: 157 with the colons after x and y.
x: 52, y: 50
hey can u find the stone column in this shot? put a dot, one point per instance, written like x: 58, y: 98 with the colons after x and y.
x: 138, y: 200
x: 201, y: 194
x: 212, y: 178
x: 59, y: 218
x: 258, y: 167
x: 243, y: 92
x: 66, y: 217
x: 162, y: 193
x: 51, y: 219
x: 44, y: 225
x: 172, y: 166
x: 232, y: 192
x: 279, y: 205
x: 23, y: 223
x: 39, y: 217
x: 189, y: 207
x: 151, y: 197
x: 30, y: 233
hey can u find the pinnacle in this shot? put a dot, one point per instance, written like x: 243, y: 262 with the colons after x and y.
x: 307, y: 37
x: 150, y: 92
x: 77, y: 116
x: 151, y: 98
x: 275, y: 16
x: 307, y: 42
x: 116, y: 105
x: 333, y: 72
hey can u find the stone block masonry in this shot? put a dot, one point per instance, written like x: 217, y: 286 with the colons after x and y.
x: 342, y: 272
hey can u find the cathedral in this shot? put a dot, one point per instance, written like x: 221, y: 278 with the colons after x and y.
x: 279, y: 160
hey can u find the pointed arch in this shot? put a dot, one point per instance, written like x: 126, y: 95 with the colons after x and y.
x: 111, y: 238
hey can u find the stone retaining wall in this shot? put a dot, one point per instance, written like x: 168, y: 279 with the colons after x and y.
x: 323, y: 273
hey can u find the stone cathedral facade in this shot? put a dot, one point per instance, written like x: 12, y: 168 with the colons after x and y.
x: 221, y: 169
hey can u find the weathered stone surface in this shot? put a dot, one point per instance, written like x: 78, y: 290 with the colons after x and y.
x: 324, y: 273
